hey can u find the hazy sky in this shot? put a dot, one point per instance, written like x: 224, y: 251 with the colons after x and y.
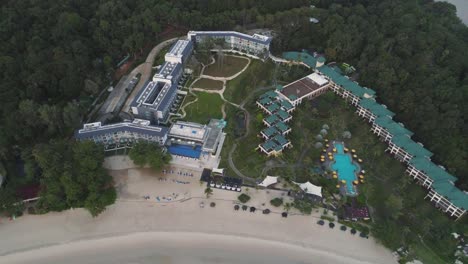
x: 462, y: 8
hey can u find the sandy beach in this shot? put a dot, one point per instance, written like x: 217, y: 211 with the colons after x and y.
x: 135, y: 230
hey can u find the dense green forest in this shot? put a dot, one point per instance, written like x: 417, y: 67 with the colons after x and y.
x: 413, y: 53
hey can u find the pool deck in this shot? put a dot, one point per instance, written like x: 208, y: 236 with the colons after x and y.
x: 329, y: 164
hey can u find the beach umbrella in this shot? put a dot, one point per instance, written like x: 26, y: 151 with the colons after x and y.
x: 330, y: 157
x: 343, y: 181
x: 327, y: 145
x: 324, y: 150
x: 353, y: 150
x: 359, y: 160
x: 335, y: 176
x: 334, y: 172
x: 326, y: 140
x: 322, y: 160
x: 334, y: 149
x: 355, y: 182
x: 363, y: 172
x: 322, y: 156
x: 361, y: 176
x: 354, y: 156
x: 362, y: 181
x: 329, y: 153
x: 337, y: 186
x: 346, y: 149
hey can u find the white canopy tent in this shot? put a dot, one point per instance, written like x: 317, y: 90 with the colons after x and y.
x: 269, y: 180
x: 217, y: 170
x: 310, y: 188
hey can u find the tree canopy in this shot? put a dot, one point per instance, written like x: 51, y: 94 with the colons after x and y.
x: 146, y: 153
x: 73, y: 176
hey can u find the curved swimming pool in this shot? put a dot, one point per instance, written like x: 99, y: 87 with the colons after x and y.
x: 345, y: 167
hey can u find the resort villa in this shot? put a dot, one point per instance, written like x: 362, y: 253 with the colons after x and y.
x: 442, y: 191
x: 279, y: 104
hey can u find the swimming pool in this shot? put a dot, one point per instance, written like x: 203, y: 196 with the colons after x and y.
x: 184, y: 150
x: 345, y: 168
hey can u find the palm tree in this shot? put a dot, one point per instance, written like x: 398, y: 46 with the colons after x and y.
x: 208, y: 192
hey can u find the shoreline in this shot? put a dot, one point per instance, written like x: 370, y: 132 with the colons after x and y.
x: 216, y: 240
x: 132, y: 215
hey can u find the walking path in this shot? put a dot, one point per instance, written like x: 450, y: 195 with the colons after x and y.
x: 220, y: 92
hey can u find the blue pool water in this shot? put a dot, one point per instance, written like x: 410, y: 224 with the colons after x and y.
x: 186, y: 151
x: 345, y: 168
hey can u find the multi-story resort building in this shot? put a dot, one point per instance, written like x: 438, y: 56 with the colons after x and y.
x: 155, y: 100
x: 253, y: 45
x: 122, y: 135
x: 442, y: 191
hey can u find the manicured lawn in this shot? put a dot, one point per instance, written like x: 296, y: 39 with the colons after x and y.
x: 208, y: 106
x: 208, y: 84
x: 228, y: 67
x: 247, y: 159
x: 258, y: 74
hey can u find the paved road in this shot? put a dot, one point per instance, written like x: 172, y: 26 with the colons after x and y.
x: 145, y: 69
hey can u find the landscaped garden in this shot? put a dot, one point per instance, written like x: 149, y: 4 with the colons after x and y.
x: 208, y: 84
x: 396, y: 202
x: 226, y: 66
x: 208, y: 106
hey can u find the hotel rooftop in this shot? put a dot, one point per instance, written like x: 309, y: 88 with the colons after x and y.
x: 137, y: 126
x: 254, y: 38
x: 180, y: 50
x: 155, y: 95
x: 304, y: 86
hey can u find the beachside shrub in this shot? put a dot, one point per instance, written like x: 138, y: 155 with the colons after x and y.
x: 304, y: 206
x: 243, y: 198
x: 208, y: 192
x: 329, y: 218
x: 331, y: 225
x: 212, y: 204
x: 276, y: 202
x: 343, y: 228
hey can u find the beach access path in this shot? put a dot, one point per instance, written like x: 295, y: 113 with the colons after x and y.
x: 131, y: 214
